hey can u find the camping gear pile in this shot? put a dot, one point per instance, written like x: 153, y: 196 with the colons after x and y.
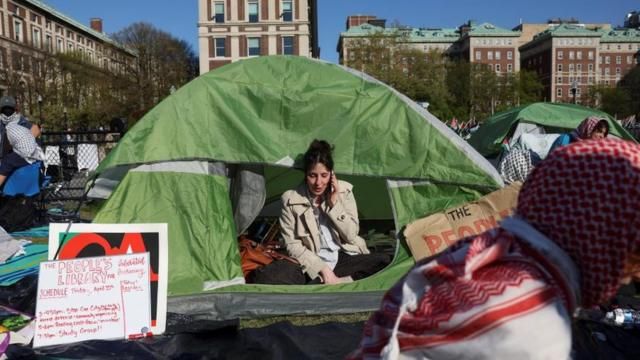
x: 533, y: 127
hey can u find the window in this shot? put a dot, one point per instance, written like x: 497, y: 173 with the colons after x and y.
x: 607, y: 60
x: 590, y: 55
x: 287, y: 45
x: 510, y: 55
x: 560, y: 55
x: 629, y: 59
x: 497, y: 67
x: 590, y: 80
x: 509, y: 67
x: 70, y: 46
x: 617, y: 71
x: 606, y: 71
x: 590, y: 67
x: 571, y: 68
x: 490, y: 55
x: 618, y: 59
x: 220, y: 47
x: 49, y: 43
x: 571, y: 55
x: 578, y: 92
x: 254, y: 46
x: 478, y: 55
x: 579, y: 55
x: 287, y: 10
x: 253, y: 11
x: 17, y: 30
x: 559, y: 92
x: 59, y: 45
x: 498, y: 55
x: 579, y: 67
x: 559, y: 80
x: 35, y: 38
x: 218, y: 15
x: 560, y: 67
x: 491, y: 67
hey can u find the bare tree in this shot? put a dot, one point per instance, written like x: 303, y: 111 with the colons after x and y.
x: 163, y: 62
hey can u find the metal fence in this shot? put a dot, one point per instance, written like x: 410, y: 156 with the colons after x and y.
x: 70, y: 157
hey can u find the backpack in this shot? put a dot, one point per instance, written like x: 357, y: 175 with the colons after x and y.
x: 17, y: 213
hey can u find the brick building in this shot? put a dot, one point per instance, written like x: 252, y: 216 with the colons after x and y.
x: 484, y: 43
x: 569, y: 58
x: 422, y: 39
x: 490, y: 45
x: 230, y: 30
x: 31, y: 30
x: 566, y: 55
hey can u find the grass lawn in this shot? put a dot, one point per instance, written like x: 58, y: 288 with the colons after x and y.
x: 304, y: 320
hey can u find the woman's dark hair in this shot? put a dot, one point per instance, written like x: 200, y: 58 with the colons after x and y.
x: 319, y: 151
x: 603, y: 124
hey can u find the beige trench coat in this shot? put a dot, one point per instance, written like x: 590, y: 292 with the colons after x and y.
x: 300, y: 229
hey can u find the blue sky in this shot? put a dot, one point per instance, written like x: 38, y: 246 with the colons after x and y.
x: 179, y: 17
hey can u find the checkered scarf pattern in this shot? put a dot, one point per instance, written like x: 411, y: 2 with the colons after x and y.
x: 586, y: 127
x: 8, y: 119
x: 582, y: 200
x: 516, y: 165
x: 586, y: 198
x: 23, y: 142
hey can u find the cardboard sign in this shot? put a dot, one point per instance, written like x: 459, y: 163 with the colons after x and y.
x: 90, y: 240
x: 92, y: 298
x: 429, y: 236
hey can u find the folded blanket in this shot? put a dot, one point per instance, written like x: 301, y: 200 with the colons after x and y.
x: 20, y: 266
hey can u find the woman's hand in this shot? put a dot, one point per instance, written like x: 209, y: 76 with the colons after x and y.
x: 335, y: 191
x: 328, y: 276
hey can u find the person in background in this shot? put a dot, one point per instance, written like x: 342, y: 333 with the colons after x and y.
x: 592, y: 127
x: 18, y: 140
x: 319, y: 224
x: 517, y: 165
x: 510, y: 293
x: 9, y: 114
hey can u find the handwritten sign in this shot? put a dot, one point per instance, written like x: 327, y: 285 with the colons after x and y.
x: 92, y: 298
x: 92, y: 240
x: 432, y: 234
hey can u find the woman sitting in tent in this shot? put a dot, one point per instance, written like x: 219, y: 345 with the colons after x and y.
x: 319, y: 224
x: 572, y: 243
x: 592, y: 127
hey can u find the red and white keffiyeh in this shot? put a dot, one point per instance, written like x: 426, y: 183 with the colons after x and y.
x: 509, y: 293
x: 586, y: 199
x: 586, y: 127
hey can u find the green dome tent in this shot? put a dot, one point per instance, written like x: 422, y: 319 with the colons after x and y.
x: 552, y: 116
x: 262, y: 113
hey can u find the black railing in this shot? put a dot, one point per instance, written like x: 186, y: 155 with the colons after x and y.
x: 70, y: 158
